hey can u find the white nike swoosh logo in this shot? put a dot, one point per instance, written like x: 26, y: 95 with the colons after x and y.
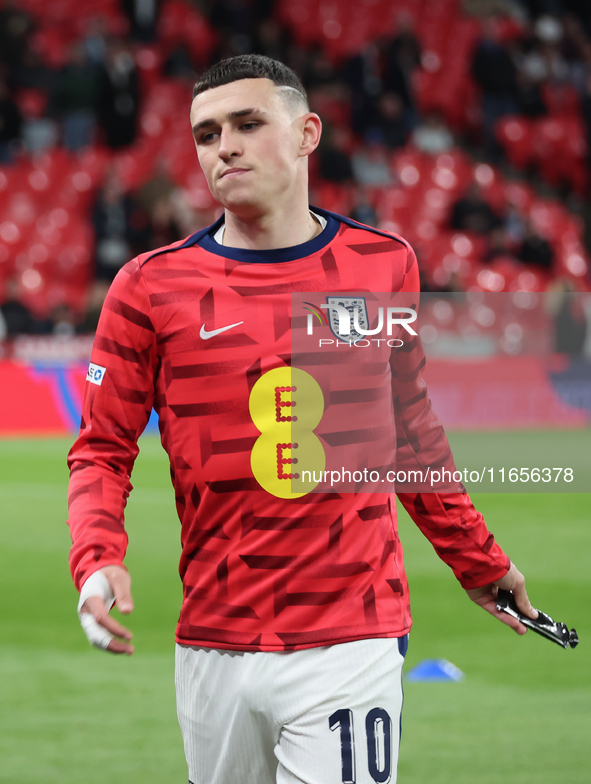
x: 206, y: 335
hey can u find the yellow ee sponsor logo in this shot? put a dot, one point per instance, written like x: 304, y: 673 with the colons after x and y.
x: 286, y: 404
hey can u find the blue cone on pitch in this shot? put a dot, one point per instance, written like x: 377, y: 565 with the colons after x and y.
x: 432, y: 670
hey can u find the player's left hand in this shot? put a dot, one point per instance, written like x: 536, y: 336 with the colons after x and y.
x: 486, y: 597
x: 99, y: 593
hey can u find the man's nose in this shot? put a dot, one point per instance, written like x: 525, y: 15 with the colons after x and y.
x: 229, y: 144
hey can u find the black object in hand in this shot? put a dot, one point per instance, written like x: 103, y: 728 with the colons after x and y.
x: 543, y: 624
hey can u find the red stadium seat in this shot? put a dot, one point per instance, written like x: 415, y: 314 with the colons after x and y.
x: 181, y: 22
x: 550, y: 218
x: 51, y: 44
x: 560, y: 149
x: 519, y: 195
x: 561, y: 99
x: 333, y: 197
x: 32, y: 102
x: 302, y: 18
x: 149, y: 61
x: 530, y: 279
x: 515, y: 136
x: 134, y: 166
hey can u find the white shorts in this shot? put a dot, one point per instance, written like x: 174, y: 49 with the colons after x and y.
x: 328, y: 715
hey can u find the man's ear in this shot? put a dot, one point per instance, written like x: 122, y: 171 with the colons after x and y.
x: 311, y: 133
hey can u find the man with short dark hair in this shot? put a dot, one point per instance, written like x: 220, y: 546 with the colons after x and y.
x: 295, y: 609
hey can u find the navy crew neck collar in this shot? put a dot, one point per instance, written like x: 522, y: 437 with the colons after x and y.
x: 275, y: 255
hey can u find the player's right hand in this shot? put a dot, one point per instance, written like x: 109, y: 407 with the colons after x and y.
x: 486, y: 597
x: 104, y: 588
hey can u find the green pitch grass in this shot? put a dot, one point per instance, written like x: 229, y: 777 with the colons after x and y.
x: 70, y: 714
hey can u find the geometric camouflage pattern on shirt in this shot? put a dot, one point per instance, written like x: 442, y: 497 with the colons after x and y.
x: 259, y: 572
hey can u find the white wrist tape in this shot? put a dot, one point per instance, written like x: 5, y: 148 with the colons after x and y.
x: 96, y: 585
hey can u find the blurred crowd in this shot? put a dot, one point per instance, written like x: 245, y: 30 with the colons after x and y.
x: 529, y: 59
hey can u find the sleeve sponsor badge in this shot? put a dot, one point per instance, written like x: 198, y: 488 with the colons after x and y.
x: 95, y: 374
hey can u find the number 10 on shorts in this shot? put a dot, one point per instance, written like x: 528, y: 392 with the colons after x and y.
x: 378, y: 731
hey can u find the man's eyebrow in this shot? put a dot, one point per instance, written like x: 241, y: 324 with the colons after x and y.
x: 232, y: 116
